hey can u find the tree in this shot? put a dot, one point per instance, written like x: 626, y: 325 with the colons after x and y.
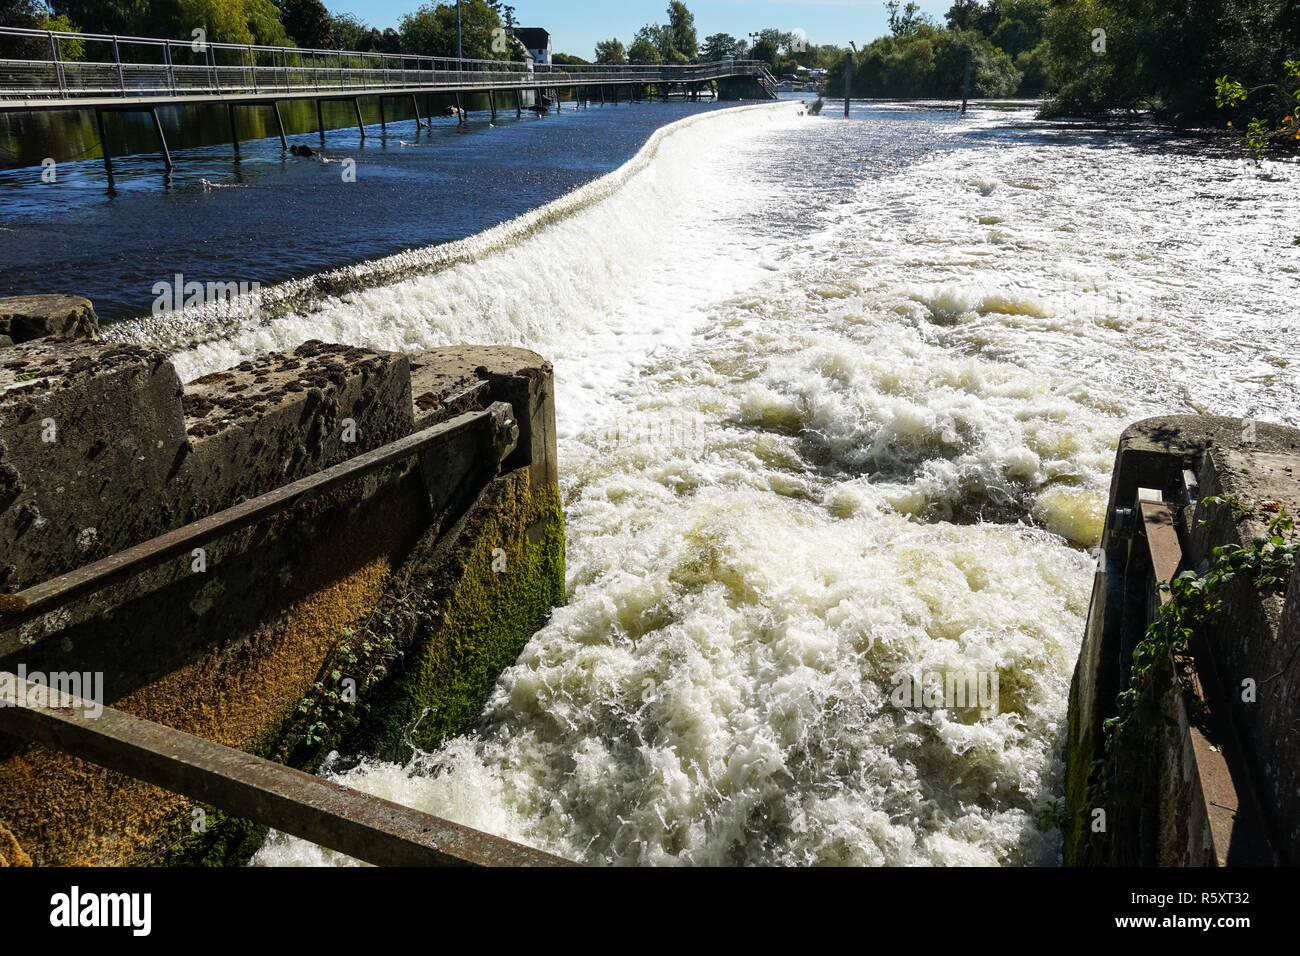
x: 307, y: 22
x: 720, y: 46
x: 907, y: 20
x: 769, y: 46
x: 160, y: 18
x: 681, y: 30
x: 263, y: 20
x: 431, y: 31
x: 223, y: 21
x: 346, y: 32
x: 21, y: 13
x: 645, y: 46
x: 610, y: 51
x: 567, y: 59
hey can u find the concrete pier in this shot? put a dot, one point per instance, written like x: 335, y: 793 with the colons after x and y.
x: 409, y: 586
x: 1208, y: 774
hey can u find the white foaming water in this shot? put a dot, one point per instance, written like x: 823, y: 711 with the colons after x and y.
x: 794, y: 472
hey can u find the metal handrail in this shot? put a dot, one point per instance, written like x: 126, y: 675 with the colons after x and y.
x: 356, y: 70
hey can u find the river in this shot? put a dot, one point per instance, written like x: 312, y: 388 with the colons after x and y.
x: 838, y: 403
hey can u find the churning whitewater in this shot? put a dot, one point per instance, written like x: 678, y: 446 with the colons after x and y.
x: 829, y: 431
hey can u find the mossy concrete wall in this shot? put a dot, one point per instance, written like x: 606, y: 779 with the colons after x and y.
x: 1215, y: 781
x: 245, y: 651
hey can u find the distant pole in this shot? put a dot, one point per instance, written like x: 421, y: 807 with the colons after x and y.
x: 965, y: 84
x: 460, y: 50
x: 848, y: 81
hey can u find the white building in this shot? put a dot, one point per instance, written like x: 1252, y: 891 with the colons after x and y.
x: 538, y: 43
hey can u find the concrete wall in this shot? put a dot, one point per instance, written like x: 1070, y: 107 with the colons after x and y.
x: 243, y: 651
x: 1214, y: 782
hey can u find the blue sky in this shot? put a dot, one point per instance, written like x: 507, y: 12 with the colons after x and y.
x: 576, y: 25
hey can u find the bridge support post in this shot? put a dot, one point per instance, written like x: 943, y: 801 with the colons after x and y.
x: 356, y: 104
x: 460, y: 111
x: 103, y: 146
x: 415, y: 105
x: 234, y: 130
x: 320, y: 122
x: 602, y: 94
x: 162, y: 140
x: 492, y: 103
x: 519, y: 103
x: 279, y: 124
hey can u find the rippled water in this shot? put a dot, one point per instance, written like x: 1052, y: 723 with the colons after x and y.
x: 838, y: 401
x: 264, y: 216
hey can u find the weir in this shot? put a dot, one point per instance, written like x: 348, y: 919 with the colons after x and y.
x: 140, y: 74
x: 326, y: 549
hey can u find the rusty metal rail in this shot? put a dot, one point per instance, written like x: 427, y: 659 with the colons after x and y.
x: 495, y: 427
x: 325, y: 813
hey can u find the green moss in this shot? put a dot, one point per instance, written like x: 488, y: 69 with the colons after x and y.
x: 227, y: 841
x: 512, y: 576
x: 1077, y: 770
x: 441, y: 639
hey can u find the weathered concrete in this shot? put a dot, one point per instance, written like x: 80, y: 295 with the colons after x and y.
x: 24, y: 318
x: 1216, y: 782
x: 84, y: 430
x: 237, y: 653
x: 281, y: 417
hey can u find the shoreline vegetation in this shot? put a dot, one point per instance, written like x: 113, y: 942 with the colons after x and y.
x: 1225, y: 64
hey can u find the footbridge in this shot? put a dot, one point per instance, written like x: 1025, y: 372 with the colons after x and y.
x: 42, y: 70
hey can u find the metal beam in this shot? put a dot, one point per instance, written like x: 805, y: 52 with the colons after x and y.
x: 1161, y: 535
x: 234, y: 130
x: 103, y: 145
x: 162, y: 140
x: 279, y: 125
x: 492, y: 429
x: 324, y: 813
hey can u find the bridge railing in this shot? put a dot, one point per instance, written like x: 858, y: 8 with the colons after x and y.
x: 45, y: 64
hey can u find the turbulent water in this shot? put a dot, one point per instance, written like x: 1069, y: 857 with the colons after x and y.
x: 838, y: 401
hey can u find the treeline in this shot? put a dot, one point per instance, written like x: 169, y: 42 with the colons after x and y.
x: 1005, y: 40
x: 677, y: 42
x: 1090, y: 56
x: 429, y: 31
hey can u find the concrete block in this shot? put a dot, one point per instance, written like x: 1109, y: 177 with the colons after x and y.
x: 267, y: 422
x: 518, y: 376
x: 24, y: 318
x: 90, y: 435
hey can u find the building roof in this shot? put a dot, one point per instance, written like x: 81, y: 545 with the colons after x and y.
x: 535, y: 38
